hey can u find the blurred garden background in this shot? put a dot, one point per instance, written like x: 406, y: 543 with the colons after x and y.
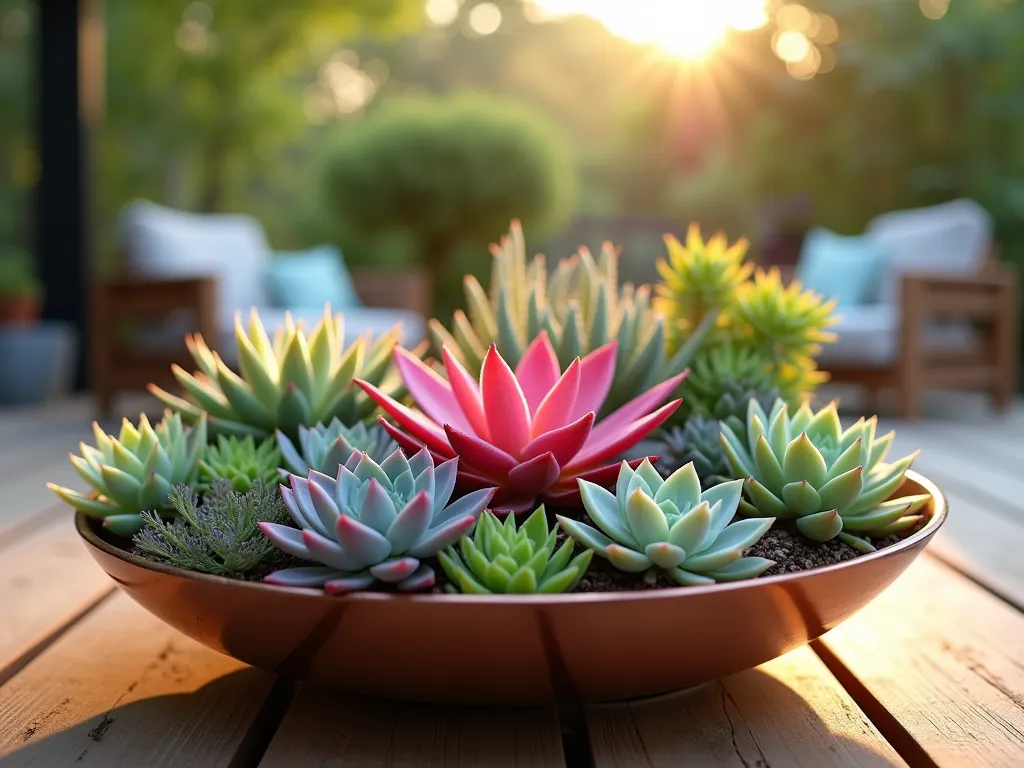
x: 410, y: 132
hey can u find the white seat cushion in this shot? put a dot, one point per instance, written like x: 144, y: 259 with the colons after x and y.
x: 948, y: 239
x: 161, y: 242
x: 869, y: 336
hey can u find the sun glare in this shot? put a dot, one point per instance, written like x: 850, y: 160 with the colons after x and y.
x: 688, y: 29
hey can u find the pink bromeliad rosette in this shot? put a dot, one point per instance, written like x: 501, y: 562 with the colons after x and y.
x: 530, y: 432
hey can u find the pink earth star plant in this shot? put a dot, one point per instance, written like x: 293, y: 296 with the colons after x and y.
x: 530, y: 432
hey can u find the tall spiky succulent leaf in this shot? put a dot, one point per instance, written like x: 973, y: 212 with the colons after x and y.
x: 652, y: 524
x: 239, y: 462
x: 580, y: 306
x: 373, y: 522
x: 136, y: 470
x: 831, y: 482
x: 324, y: 448
x: 530, y: 432
x: 699, y: 280
x: 295, y: 380
x: 723, y: 377
x: 499, y: 558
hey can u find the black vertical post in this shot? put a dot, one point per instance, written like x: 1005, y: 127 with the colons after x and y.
x: 63, y: 237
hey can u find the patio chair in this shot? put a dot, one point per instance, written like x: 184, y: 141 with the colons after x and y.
x: 944, y: 313
x: 184, y: 272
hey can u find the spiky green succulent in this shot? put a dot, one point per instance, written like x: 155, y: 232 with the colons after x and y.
x: 651, y: 524
x: 581, y: 306
x: 785, y: 320
x: 136, y: 470
x: 700, y: 280
x: 723, y: 376
x: 499, y: 558
x: 831, y: 482
x: 323, y: 448
x: 295, y: 380
x: 241, y: 462
x: 373, y: 522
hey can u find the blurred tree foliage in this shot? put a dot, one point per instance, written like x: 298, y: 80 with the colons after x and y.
x: 17, y: 158
x: 451, y: 171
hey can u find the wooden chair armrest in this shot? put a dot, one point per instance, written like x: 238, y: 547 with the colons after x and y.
x: 130, y: 298
x: 407, y: 288
x: 992, y: 278
x: 983, y: 296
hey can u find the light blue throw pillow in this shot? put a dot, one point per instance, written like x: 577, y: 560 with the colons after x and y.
x: 847, y: 268
x: 308, y: 279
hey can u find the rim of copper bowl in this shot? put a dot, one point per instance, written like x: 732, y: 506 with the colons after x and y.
x: 939, y: 513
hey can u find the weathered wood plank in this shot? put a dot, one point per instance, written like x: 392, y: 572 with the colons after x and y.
x: 938, y: 661
x: 962, y: 470
x: 790, y: 712
x: 123, y: 688
x: 326, y: 729
x: 47, y: 580
x: 984, y: 545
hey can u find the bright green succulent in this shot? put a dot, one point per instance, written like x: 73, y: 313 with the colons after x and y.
x: 498, y: 558
x: 295, y: 380
x: 723, y: 376
x: 700, y: 279
x: 652, y: 524
x: 786, y: 320
x: 831, y: 482
x: 240, y: 462
x: 324, y: 448
x: 581, y: 306
x: 136, y: 470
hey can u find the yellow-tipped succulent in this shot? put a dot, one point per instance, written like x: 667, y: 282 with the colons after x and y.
x: 298, y: 379
x: 831, y: 482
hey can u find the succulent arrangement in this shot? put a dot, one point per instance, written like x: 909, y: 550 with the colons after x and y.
x: 500, y: 558
x: 831, y: 482
x: 558, y: 421
x: 292, y: 381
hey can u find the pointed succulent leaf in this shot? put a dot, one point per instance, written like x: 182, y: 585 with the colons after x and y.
x: 801, y: 498
x: 821, y: 526
x: 803, y: 461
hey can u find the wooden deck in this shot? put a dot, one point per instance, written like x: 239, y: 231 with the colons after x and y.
x: 931, y: 673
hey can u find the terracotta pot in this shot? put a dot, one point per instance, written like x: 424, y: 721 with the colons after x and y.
x: 19, y: 310
x: 529, y: 649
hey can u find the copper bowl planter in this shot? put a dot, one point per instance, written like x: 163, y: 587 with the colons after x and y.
x: 514, y: 649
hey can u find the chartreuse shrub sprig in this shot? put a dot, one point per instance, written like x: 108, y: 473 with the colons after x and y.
x: 240, y: 462
x: 296, y: 379
x: 499, y: 558
x: 580, y: 304
x: 652, y: 524
x: 831, y: 482
x: 323, y: 448
x: 136, y: 470
x: 220, y: 536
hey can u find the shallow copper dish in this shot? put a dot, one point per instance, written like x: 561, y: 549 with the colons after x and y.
x: 520, y: 649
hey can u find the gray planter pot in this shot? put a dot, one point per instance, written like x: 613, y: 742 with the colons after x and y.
x: 37, y: 363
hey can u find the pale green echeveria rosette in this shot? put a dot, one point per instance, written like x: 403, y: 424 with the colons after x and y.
x: 324, y: 448
x: 830, y: 482
x: 500, y: 558
x: 373, y: 522
x: 135, y: 471
x: 651, y: 524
